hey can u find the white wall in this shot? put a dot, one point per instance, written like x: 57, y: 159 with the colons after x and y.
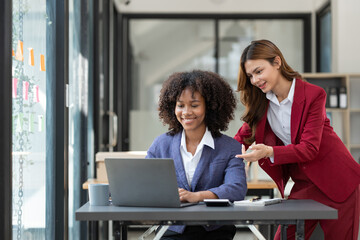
x: 346, y: 36
x: 320, y: 3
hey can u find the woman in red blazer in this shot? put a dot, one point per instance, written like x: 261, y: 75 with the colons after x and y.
x: 285, y: 120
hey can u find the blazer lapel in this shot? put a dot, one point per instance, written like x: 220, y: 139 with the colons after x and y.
x: 297, y: 108
x: 179, y: 166
x: 202, y: 165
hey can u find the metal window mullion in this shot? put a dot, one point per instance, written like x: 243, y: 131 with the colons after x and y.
x: 5, y: 121
x: 55, y: 115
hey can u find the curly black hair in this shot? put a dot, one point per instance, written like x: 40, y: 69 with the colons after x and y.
x: 220, y: 101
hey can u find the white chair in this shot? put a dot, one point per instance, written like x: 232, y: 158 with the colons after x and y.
x: 153, y: 228
x: 163, y: 229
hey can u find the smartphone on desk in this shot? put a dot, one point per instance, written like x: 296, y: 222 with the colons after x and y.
x: 217, y: 202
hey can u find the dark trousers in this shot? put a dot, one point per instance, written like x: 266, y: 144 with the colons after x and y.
x: 199, y: 233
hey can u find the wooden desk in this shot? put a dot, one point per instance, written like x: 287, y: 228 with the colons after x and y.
x: 265, y: 184
x: 254, y: 186
x: 261, y: 188
x: 85, y: 185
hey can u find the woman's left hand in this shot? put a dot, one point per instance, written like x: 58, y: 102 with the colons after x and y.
x: 257, y: 152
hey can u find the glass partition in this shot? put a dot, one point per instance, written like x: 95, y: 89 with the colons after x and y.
x: 324, y: 39
x: 159, y: 48
x: 28, y: 117
x: 235, y: 35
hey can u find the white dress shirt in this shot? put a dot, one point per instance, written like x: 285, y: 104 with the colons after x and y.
x: 279, y: 115
x: 191, y: 161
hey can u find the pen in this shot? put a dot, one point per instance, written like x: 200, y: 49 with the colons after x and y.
x: 255, y: 199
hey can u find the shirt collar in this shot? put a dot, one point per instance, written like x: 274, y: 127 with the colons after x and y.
x: 272, y: 97
x: 207, y: 139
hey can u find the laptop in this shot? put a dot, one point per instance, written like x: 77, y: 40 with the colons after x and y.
x: 140, y: 182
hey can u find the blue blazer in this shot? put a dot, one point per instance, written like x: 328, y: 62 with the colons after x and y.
x: 218, y: 171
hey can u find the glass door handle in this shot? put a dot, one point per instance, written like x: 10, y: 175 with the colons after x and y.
x: 113, y: 128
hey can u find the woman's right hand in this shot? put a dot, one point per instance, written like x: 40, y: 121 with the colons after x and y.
x: 187, y: 196
x: 255, y: 152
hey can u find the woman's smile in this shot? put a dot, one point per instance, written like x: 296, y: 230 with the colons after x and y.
x: 188, y: 120
x: 190, y: 110
x: 262, y: 85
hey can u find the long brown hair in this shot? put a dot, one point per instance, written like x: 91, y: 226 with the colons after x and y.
x: 252, y: 97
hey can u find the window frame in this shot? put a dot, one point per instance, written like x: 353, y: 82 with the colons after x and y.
x: 6, y: 121
x: 56, y: 120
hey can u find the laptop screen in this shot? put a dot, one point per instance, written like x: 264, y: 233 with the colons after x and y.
x: 142, y: 182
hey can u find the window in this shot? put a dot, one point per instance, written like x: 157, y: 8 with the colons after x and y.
x: 324, y: 52
x: 161, y: 45
x: 159, y: 48
x: 38, y: 117
x: 29, y: 118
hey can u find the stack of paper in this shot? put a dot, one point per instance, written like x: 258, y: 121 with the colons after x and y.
x: 258, y: 202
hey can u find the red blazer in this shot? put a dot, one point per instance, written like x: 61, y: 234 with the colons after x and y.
x: 315, y: 147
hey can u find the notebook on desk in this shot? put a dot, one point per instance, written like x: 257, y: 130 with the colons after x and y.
x: 143, y: 182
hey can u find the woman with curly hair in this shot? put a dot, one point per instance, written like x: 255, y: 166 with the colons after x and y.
x: 196, y: 106
x: 286, y: 119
